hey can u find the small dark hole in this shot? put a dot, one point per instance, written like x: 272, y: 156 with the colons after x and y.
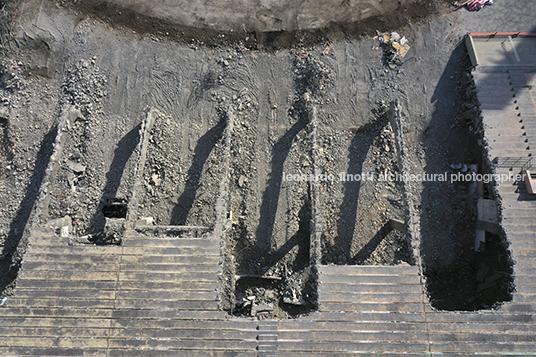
x: 114, y: 210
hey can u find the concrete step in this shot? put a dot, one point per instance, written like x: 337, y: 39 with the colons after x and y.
x: 368, y: 270
x: 55, y: 332
x: 479, y: 317
x: 85, y: 249
x: 61, y: 303
x: 333, y: 354
x: 371, y: 288
x: 189, y: 250
x: 366, y: 297
x: 151, y: 315
x: 351, y: 336
x: 361, y: 326
x: 486, y: 347
x: 177, y: 268
x: 128, y: 352
x: 350, y: 347
x: 78, y: 257
x: 155, y: 304
x: 184, y: 344
x: 192, y: 295
x: 171, y: 242
x: 484, y: 329
x: 379, y: 316
x: 22, y: 351
x: 223, y: 324
x: 49, y: 342
x: 48, y: 317
x: 185, y: 334
x: 370, y: 279
x: 371, y: 307
x: 169, y: 277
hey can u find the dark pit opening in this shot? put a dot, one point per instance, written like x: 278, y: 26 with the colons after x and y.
x: 461, y: 275
x: 115, y: 209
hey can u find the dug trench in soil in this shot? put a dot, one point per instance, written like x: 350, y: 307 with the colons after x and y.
x: 183, y: 170
x: 275, y: 276
x: 360, y: 202
x: 457, y: 276
x: 93, y: 181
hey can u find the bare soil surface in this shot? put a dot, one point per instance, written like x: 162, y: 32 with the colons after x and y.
x: 358, y: 204
x: 111, y: 65
x: 182, y: 172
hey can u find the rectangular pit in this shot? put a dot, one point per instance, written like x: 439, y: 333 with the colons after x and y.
x: 183, y: 168
x: 363, y: 205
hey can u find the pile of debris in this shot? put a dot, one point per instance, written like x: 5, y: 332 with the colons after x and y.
x: 396, y: 49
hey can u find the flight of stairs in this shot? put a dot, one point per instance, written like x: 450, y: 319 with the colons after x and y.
x: 152, y: 296
x: 510, y: 126
x: 363, y: 310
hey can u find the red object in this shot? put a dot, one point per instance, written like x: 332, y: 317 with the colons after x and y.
x: 12, y: 21
x: 475, y: 4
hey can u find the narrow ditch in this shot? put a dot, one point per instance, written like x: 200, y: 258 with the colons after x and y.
x: 364, y: 208
x: 272, y: 239
x: 460, y: 276
x: 182, y: 171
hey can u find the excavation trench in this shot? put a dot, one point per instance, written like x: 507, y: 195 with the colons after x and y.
x: 462, y: 273
x: 179, y: 184
x: 364, y: 209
